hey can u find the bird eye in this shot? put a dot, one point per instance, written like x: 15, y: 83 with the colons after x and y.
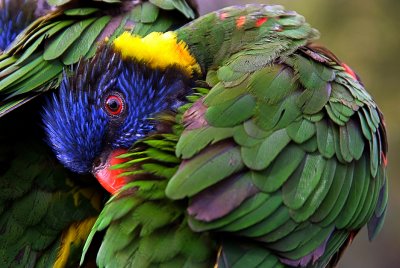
x: 114, y: 104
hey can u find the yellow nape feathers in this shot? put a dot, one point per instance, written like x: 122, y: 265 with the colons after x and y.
x: 158, y: 50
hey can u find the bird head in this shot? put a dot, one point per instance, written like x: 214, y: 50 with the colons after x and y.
x: 108, y: 103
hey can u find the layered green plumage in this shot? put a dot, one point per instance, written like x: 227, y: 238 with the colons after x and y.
x: 282, y: 154
x: 35, y: 61
x: 144, y: 228
x: 47, y: 211
x: 39, y: 199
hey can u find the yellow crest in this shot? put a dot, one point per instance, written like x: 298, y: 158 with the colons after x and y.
x: 158, y: 50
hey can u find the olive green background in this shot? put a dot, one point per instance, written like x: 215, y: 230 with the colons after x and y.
x: 366, y: 35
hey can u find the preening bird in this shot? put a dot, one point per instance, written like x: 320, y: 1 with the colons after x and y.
x: 47, y: 212
x: 232, y: 141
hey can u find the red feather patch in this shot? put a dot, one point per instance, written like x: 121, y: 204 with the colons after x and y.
x: 240, y: 21
x: 261, y: 21
x: 384, y: 159
x: 349, y: 71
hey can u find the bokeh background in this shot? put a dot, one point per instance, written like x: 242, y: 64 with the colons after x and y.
x: 366, y: 35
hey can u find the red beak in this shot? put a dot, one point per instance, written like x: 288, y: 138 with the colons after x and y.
x: 109, y: 178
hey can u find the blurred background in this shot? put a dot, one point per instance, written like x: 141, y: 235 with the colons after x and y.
x: 366, y: 35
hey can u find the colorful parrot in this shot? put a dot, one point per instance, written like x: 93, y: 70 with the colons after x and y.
x: 36, y: 59
x: 46, y: 211
x: 233, y: 141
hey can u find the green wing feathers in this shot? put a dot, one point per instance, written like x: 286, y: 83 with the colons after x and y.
x: 279, y: 160
x: 245, y: 38
x: 143, y: 228
x: 290, y: 154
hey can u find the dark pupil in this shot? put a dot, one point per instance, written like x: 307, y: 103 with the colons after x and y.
x: 113, y: 104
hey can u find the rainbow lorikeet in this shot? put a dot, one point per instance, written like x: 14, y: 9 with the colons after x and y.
x: 232, y: 141
x: 46, y: 211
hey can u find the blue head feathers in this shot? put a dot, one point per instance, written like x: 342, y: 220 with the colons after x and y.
x: 15, y: 15
x: 108, y: 104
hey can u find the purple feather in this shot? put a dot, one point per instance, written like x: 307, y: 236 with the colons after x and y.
x: 309, y: 258
x: 195, y: 117
x: 329, y: 88
x: 220, y: 199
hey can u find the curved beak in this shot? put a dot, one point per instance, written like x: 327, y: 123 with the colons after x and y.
x: 109, y: 178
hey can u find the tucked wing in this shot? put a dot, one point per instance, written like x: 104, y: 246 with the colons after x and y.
x: 34, y: 62
x: 280, y: 163
x: 286, y: 151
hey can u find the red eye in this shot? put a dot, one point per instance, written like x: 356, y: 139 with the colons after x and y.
x: 114, y: 104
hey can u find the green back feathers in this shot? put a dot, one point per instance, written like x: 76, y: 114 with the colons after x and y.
x: 281, y: 161
x: 291, y: 124
x: 245, y: 38
x: 278, y: 158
